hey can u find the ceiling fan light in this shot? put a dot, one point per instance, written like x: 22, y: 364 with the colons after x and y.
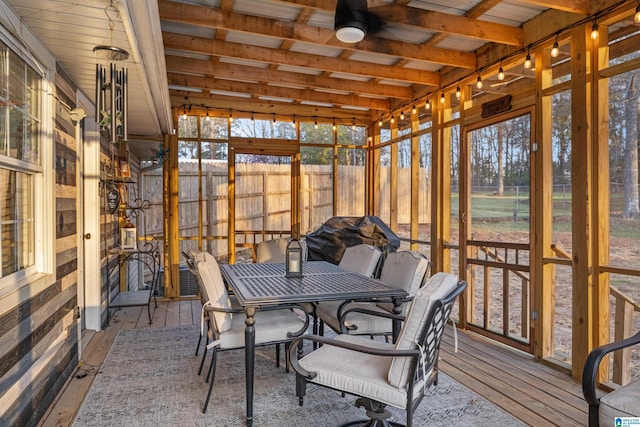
x: 350, y: 34
x: 350, y: 21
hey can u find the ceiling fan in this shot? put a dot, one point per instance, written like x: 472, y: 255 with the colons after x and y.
x: 353, y: 21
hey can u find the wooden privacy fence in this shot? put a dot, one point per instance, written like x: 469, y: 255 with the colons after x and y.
x: 263, y: 197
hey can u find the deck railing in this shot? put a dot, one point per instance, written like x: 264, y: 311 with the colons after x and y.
x: 623, y: 319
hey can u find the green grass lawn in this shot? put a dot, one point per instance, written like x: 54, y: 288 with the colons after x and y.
x: 493, y: 212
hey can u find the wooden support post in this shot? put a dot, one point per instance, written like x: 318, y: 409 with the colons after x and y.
x: 441, y: 184
x: 172, y: 242
x: 374, y: 178
x: 581, y: 209
x: 600, y: 192
x: 231, y: 189
x: 374, y: 133
x: 542, y: 275
x: 336, y: 181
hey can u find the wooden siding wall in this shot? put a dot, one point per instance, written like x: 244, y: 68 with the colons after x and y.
x: 38, y: 335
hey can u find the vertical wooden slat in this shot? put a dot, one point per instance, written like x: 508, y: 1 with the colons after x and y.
x: 393, y: 177
x: 624, y: 329
x: 506, y: 302
x: 525, y: 301
x: 296, y: 215
x: 486, y: 297
x: 414, y: 232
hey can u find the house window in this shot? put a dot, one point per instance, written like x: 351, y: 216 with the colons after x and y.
x: 20, y: 115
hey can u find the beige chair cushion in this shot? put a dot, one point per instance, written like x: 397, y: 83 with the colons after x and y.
x: 357, y: 373
x: 405, y: 270
x: 270, y: 326
x: 365, y: 324
x: 275, y: 250
x: 361, y: 259
x: 272, y: 250
x: 622, y: 402
x: 213, y: 283
x: 439, y: 286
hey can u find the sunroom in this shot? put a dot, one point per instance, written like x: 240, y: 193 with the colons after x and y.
x: 499, y: 139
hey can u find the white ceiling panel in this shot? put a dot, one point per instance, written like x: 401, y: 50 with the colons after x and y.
x: 302, y: 70
x: 275, y: 99
x: 452, y: 7
x: 247, y: 62
x: 346, y: 76
x: 512, y: 14
x: 322, y: 19
x: 374, y: 58
x: 316, y: 49
x: 460, y: 43
x: 227, y: 93
x: 267, y: 9
x: 188, y: 30
x: 422, y: 65
x: 253, y: 40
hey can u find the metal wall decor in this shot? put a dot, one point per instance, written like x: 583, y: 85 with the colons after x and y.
x: 111, y: 101
x: 159, y: 155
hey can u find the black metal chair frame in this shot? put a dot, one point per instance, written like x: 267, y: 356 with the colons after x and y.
x: 590, y: 374
x: 212, y: 367
x: 344, y: 310
x: 430, y: 338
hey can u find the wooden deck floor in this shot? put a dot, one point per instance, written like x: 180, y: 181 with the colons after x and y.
x: 536, y: 394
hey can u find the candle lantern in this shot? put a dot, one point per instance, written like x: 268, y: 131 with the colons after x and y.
x: 128, y: 236
x: 294, y: 259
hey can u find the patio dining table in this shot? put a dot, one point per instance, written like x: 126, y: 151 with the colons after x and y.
x: 259, y: 285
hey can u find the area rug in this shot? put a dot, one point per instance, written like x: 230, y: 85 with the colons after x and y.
x: 149, y: 378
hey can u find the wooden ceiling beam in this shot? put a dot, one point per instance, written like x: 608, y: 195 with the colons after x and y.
x: 482, y: 8
x: 430, y: 20
x: 239, y: 72
x: 478, y: 10
x: 259, y: 89
x: 451, y: 24
x: 297, y: 31
x: 244, y: 107
x: 279, y: 56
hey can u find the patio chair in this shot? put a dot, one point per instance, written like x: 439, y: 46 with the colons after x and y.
x: 378, y: 372
x: 623, y: 401
x: 364, y: 259
x: 406, y: 269
x: 227, y: 324
x: 190, y: 260
x: 274, y: 250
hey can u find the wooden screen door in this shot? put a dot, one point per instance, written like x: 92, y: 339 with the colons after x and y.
x: 495, y: 227
x: 264, y: 188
